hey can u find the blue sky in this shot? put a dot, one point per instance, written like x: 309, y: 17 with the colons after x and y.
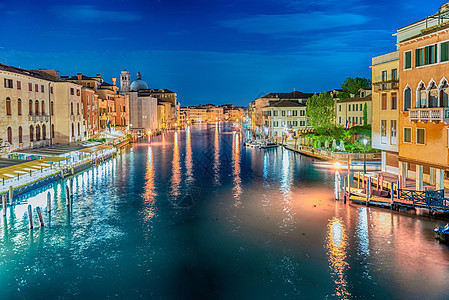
x: 208, y: 51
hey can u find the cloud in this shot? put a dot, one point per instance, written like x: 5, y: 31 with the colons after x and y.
x: 91, y: 14
x: 293, y: 23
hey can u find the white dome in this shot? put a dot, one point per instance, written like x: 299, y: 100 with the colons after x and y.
x: 138, y: 84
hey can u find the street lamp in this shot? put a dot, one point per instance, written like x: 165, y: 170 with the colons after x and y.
x: 365, y: 141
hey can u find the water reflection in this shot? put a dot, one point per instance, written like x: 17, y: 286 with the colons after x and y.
x: 336, y: 244
x: 149, y: 188
x: 189, y: 162
x: 237, y: 181
x: 216, y: 167
x: 176, y: 170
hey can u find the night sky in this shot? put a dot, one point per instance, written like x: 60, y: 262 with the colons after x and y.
x: 208, y: 51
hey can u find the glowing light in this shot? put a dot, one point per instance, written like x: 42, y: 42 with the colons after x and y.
x: 337, y: 165
x: 365, y: 141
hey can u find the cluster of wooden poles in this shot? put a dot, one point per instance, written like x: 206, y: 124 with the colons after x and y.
x: 68, y: 196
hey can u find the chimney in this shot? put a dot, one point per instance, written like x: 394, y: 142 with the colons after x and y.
x: 114, y: 80
x: 80, y: 76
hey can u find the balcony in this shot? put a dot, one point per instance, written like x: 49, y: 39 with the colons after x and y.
x: 385, y: 86
x: 39, y: 118
x: 436, y: 114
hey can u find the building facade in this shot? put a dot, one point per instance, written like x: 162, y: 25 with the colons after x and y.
x: 349, y: 112
x: 385, y: 110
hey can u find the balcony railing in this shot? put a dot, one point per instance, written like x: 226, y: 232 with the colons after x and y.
x: 436, y: 114
x: 386, y: 86
x: 39, y: 118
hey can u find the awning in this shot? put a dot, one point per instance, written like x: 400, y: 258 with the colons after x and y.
x: 95, y: 149
x: 23, y: 168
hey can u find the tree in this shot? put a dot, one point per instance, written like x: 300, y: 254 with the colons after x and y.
x: 365, y: 114
x: 352, y: 86
x: 321, y: 111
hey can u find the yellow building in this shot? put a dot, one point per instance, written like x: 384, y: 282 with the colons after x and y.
x: 385, y: 113
x: 349, y: 112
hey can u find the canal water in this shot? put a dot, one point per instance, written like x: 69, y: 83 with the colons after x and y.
x: 193, y: 214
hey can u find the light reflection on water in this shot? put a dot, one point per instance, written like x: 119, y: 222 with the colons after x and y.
x: 266, y: 227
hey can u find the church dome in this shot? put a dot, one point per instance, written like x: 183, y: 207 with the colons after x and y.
x: 138, y: 84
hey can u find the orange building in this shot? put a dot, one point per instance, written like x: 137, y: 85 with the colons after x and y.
x: 90, y: 110
x: 424, y: 101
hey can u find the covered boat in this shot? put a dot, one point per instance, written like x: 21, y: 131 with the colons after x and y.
x: 442, y: 233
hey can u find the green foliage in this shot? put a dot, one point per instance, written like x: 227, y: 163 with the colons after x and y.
x: 321, y: 112
x: 365, y: 114
x: 102, y: 140
x: 352, y: 85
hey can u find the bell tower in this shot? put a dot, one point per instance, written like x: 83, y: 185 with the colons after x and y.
x: 125, y: 81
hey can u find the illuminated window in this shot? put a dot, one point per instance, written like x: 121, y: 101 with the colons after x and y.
x: 407, y: 135
x: 420, y: 136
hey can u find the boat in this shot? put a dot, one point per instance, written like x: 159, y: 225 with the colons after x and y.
x: 267, y: 145
x: 442, y: 233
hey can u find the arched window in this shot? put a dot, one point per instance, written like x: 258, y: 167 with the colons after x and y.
x: 433, y: 95
x: 71, y: 108
x: 10, y: 135
x: 52, y: 131
x: 8, y: 107
x: 51, y: 108
x: 444, y: 91
x: 30, y: 107
x: 19, y: 107
x: 73, y: 130
x: 44, y: 132
x: 36, y: 108
x: 421, y: 96
x: 20, y: 134
x: 38, y: 133
x: 79, y: 131
x: 43, y: 107
x: 407, y: 99
x: 31, y: 133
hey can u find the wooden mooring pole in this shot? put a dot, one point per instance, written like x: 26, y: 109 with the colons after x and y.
x: 368, y: 187
x: 48, y: 202
x: 30, y: 216
x: 39, y: 215
x: 4, y: 204
x: 10, y: 195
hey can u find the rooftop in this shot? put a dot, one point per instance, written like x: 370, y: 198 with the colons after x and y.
x: 357, y: 99
x: 292, y: 95
x: 286, y: 103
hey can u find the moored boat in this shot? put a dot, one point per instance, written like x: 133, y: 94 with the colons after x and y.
x: 267, y: 145
x: 442, y: 233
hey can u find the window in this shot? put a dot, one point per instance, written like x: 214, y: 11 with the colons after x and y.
x: 355, y: 107
x: 31, y: 133
x: 51, y: 108
x: 30, y: 87
x: 393, y: 133
x: 78, y: 92
x: 8, y: 83
x: 19, y: 85
x: 295, y: 112
x: 19, y: 107
x: 283, y: 113
x: 53, y: 131
x: 30, y: 107
x: 71, y: 108
x: 384, y: 102
x: 73, y: 130
x: 10, y: 135
x: 20, y: 135
x: 87, y: 101
x: 339, y: 107
x: 302, y: 123
x: 42, y: 88
x: 51, y: 89
x: 433, y: 96
x: 407, y: 99
x: 361, y: 121
x: 38, y: 133
x: 36, y: 109
x: 407, y: 135
x: 361, y: 106
x: 421, y: 100
x: 394, y: 101
x: 36, y: 87
x: 420, y: 136
x: 274, y: 124
x: 349, y: 107
x: 77, y: 108
x: 383, y: 128
x: 275, y: 113
x: 302, y: 113
x: 426, y: 55
x: 384, y: 75
x: 44, y: 132
x: 394, y: 74
x: 444, y: 51
x: 8, y: 107
x: 444, y: 97
x: 408, y: 60
x: 72, y: 91
x: 43, y: 107
x: 356, y: 120
x: 339, y: 120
